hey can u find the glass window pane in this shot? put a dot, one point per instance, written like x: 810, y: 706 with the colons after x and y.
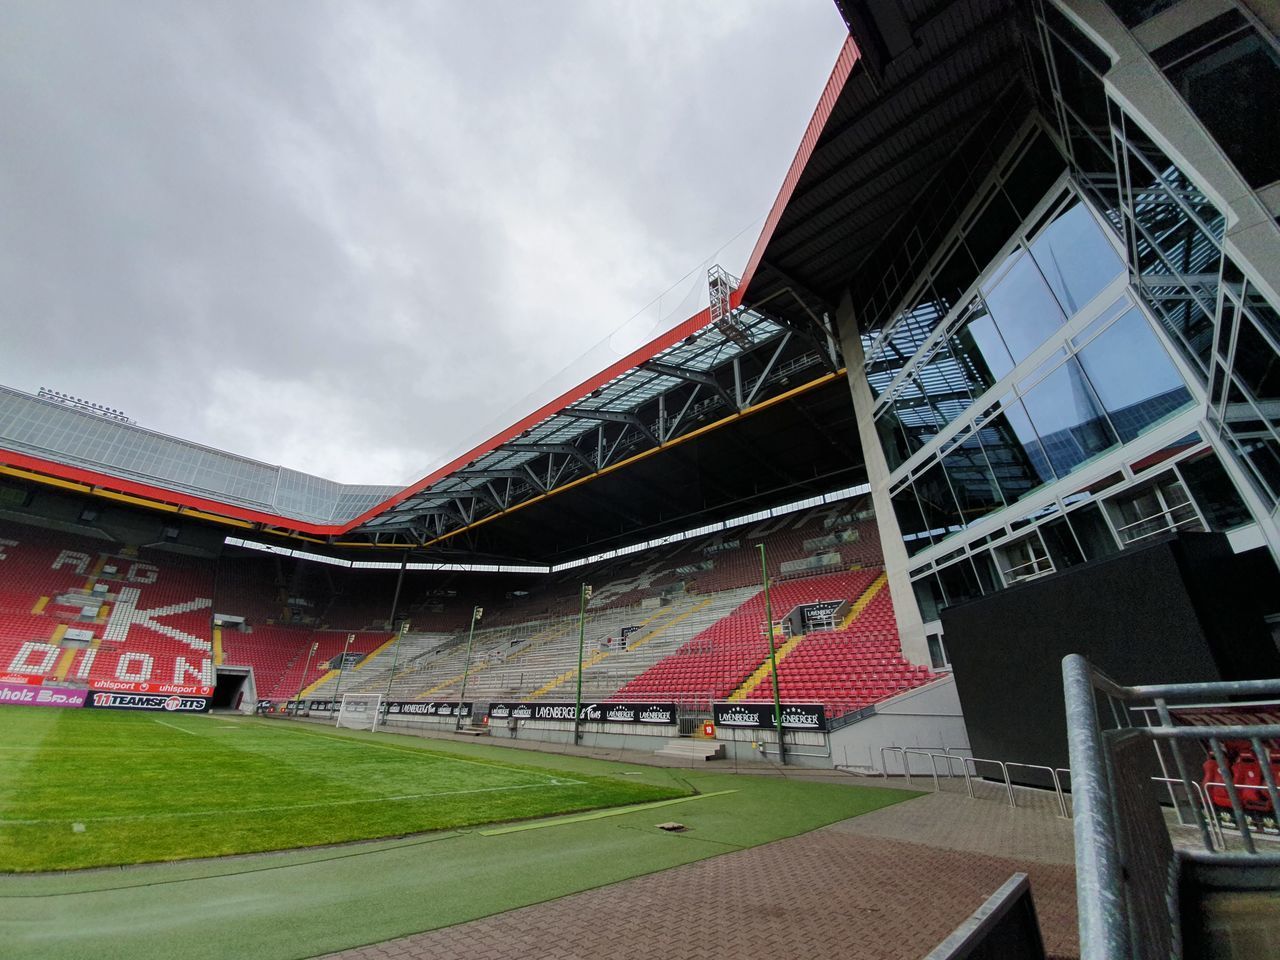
x: 1024, y: 309
x: 1231, y: 84
x: 980, y: 351
x: 972, y: 480
x: 1068, y: 418
x: 1063, y: 549
x: 1133, y: 376
x: 1075, y: 258
x: 1017, y: 459
x: 915, y: 534
x: 892, y: 439
x: 938, y: 503
x: 1257, y: 364
x: 929, y: 597
x: 1213, y: 491
x: 988, y: 576
x: 959, y: 582
x: 1092, y: 533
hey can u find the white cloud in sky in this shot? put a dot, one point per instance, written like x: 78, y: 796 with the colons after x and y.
x: 354, y: 238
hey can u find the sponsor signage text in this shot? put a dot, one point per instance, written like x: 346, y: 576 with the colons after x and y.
x: 595, y: 712
x: 26, y: 695
x: 759, y: 716
x: 173, y: 703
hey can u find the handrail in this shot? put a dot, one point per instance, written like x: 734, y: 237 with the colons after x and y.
x: 1053, y: 777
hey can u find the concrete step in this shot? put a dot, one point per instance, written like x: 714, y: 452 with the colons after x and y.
x: 474, y: 731
x: 686, y: 748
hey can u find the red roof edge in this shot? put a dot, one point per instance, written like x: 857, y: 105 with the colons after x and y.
x: 822, y: 113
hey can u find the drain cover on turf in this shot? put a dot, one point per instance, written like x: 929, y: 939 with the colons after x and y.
x: 671, y: 826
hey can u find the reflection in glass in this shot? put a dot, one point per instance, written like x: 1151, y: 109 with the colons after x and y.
x: 1068, y: 417
x: 892, y: 439
x: 1075, y: 258
x: 1024, y: 309
x: 1133, y: 376
x: 929, y: 597
x: 1017, y: 459
x: 1092, y: 533
x: 915, y: 534
x: 980, y: 352
x: 959, y: 582
x: 1213, y: 491
x: 1063, y: 549
x: 972, y: 480
x: 938, y: 503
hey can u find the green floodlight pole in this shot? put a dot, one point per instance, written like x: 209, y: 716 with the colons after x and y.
x: 342, y: 669
x: 395, y: 659
x: 476, y: 614
x: 582, y: 631
x: 773, y: 654
x: 302, y: 682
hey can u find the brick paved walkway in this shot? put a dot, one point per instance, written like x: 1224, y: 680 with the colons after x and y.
x: 843, y: 891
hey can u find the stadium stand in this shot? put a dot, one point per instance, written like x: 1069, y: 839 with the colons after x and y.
x: 682, y: 621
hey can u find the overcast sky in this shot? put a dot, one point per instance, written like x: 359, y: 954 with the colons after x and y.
x: 352, y: 237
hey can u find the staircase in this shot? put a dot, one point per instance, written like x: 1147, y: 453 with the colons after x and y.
x: 689, y: 749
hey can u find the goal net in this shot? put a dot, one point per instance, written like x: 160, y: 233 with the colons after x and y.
x: 360, y: 711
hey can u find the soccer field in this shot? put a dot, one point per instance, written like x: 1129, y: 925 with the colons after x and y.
x: 81, y: 788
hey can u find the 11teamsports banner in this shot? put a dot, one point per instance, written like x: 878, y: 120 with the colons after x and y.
x: 27, y: 695
x: 599, y: 712
x: 759, y: 716
x: 111, y: 700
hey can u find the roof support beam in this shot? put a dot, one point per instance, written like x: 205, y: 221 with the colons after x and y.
x: 564, y: 449
x: 692, y: 376
x: 610, y: 416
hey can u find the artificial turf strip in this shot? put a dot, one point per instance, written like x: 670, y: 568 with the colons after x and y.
x: 82, y: 788
x: 303, y: 903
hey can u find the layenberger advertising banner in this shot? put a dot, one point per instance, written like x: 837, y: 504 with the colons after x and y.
x: 596, y: 712
x: 25, y: 695
x: 759, y: 716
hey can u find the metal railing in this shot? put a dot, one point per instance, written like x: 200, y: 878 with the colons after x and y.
x: 1127, y: 870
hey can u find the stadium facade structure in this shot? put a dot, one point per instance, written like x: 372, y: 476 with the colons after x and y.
x: 1023, y: 276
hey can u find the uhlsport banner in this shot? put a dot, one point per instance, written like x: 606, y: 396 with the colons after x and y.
x: 112, y: 700
x: 759, y: 716
x: 595, y: 712
x: 26, y: 695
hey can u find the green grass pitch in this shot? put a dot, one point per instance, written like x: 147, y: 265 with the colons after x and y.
x: 87, y: 788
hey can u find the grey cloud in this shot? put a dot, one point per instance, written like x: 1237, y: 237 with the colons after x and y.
x: 352, y: 234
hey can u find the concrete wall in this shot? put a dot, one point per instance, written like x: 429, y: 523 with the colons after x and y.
x: 928, y: 716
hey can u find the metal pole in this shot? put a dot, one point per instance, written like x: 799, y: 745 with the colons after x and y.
x: 342, y: 669
x: 476, y: 614
x: 773, y: 654
x: 582, y: 630
x: 302, y: 681
x: 395, y: 659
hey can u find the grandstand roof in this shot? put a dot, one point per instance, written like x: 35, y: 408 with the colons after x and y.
x: 717, y: 417
x: 926, y: 73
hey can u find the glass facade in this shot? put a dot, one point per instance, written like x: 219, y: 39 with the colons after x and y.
x: 1022, y: 383
x: 1034, y: 404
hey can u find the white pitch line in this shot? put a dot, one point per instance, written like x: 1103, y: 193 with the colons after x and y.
x: 172, y: 726
x: 290, y: 806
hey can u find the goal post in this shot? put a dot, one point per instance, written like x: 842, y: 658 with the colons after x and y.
x: 360, y: 711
